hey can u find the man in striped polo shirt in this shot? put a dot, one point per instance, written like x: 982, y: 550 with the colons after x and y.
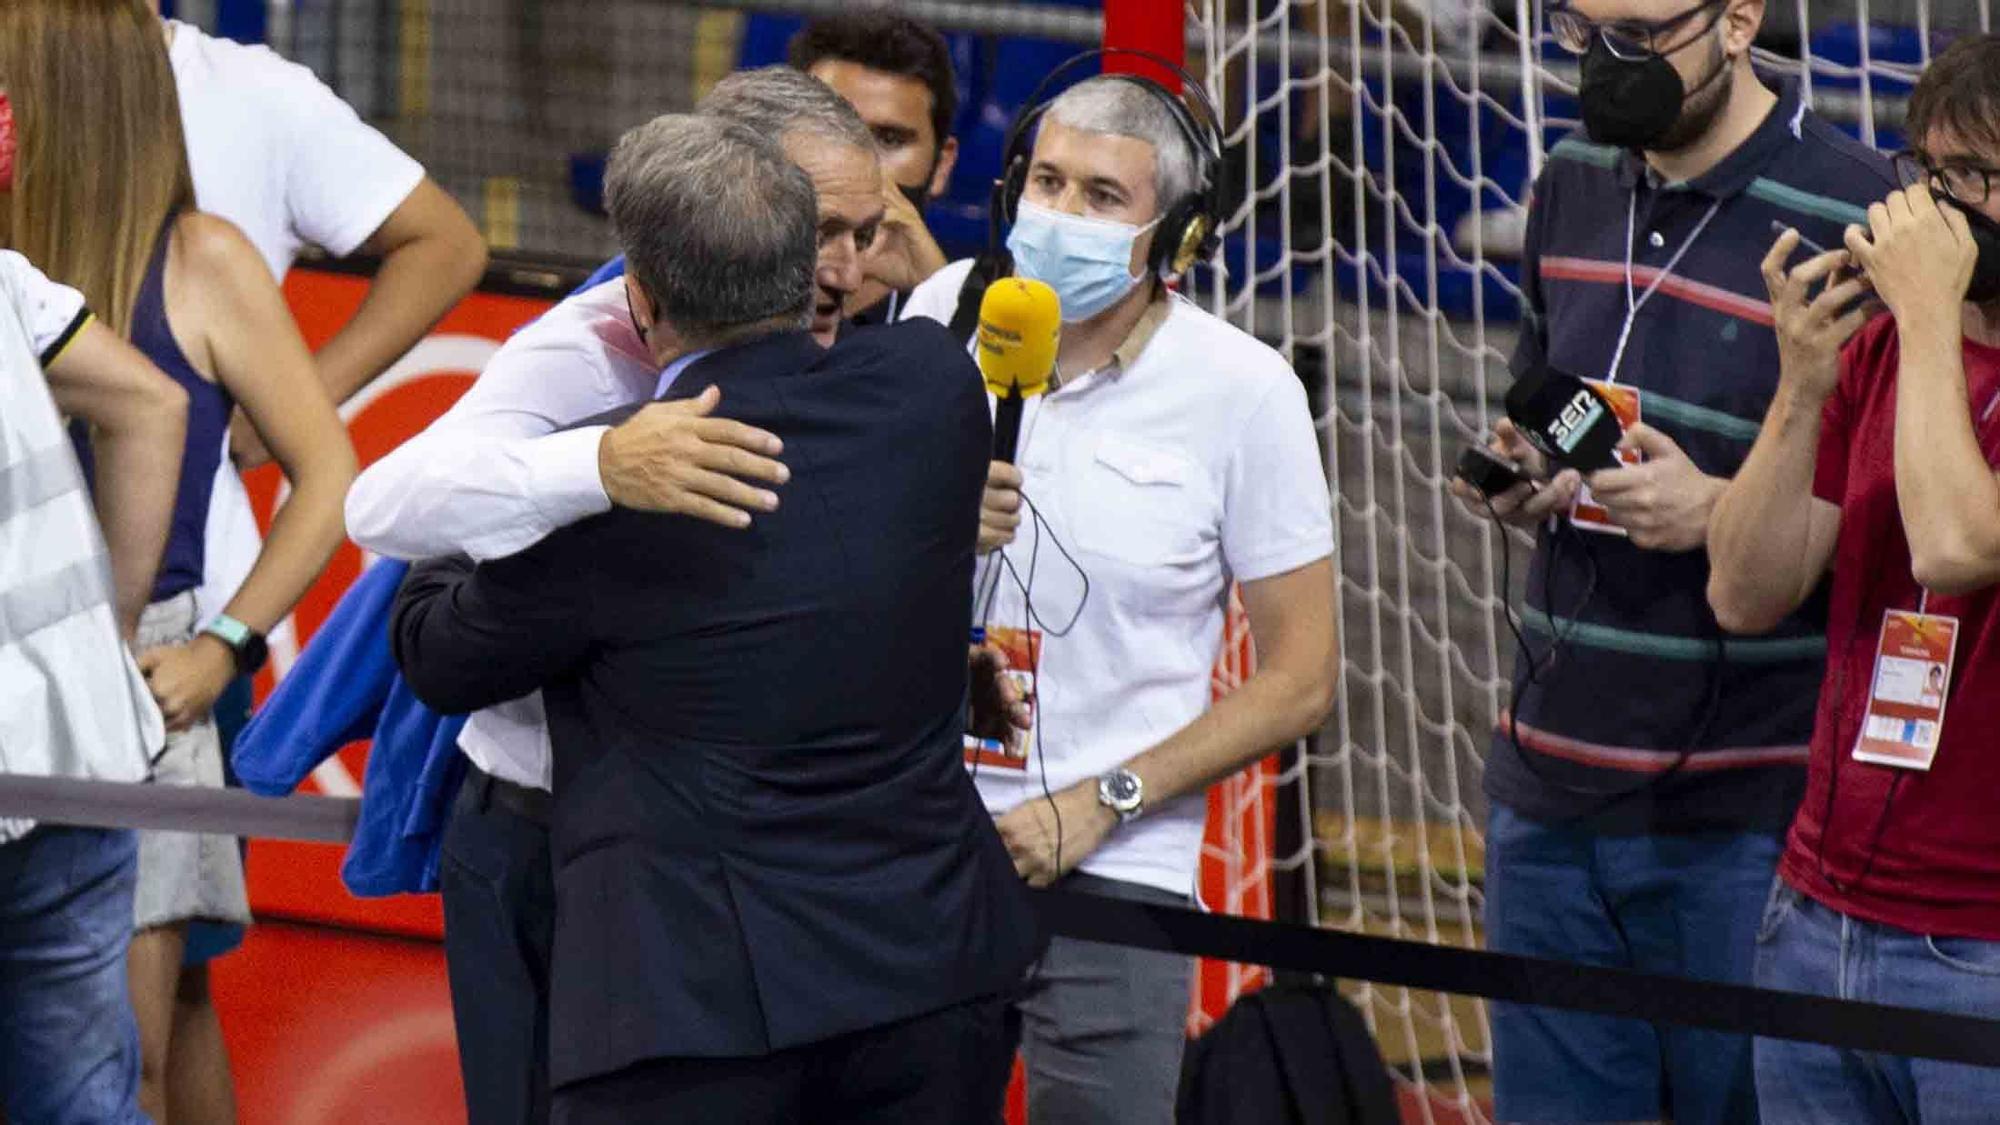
x: 1642, y: 779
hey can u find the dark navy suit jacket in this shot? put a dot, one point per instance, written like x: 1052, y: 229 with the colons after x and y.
x: 764, y: 834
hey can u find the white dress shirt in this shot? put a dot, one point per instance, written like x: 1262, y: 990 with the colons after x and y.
x: 498, y: 472
x: 1186, y: 463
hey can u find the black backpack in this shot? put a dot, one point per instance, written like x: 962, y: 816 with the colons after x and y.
x: 1290, y: 1054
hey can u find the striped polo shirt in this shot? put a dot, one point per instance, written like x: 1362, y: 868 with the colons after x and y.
x: 1647, y: 719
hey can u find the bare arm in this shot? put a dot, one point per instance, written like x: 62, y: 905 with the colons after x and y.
x: 1948, y: 495
x: 1298, y: 664
x: 258, y: 355
x: 1769, y: 538
x: 138, y: 419
x: 1921, y: 256
x: 431, y: 255
x: 1298, y: 667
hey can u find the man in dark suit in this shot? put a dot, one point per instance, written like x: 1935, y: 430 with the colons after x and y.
x: 777, y: 897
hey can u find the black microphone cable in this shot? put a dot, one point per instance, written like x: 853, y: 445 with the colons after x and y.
x: 1031, y: 618
x: 1560, y: 636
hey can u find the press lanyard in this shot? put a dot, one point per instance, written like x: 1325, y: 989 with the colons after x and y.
x: 1632, y: 304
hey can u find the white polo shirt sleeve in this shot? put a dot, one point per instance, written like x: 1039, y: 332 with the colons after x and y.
x: 50, y: 312
x: 344, y: 178
x: 1276, y: 512
x: 73, y: 701
x: 276, y: 152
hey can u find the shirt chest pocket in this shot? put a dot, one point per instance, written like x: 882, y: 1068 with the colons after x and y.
x: 1140, y: 503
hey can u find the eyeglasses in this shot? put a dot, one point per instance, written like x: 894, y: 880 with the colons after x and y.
x: 1969, y: 183
x: 1628, y: 39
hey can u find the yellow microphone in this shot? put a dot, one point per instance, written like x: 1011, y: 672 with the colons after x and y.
x: 1020, y: 324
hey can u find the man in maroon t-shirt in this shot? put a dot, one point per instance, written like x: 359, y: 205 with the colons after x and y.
x: 1878, y: 458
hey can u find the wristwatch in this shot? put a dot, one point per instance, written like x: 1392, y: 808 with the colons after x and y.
x: 1122, y: 792
x: 245, y: 643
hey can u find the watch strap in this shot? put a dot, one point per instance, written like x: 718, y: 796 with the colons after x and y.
x: 245, y: 644
x: 229, y: 631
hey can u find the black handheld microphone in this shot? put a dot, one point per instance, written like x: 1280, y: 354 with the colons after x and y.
x: 1567, y: 419
x: 1007, y: 408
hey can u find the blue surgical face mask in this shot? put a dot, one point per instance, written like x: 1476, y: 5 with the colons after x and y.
x: 1088, y: 262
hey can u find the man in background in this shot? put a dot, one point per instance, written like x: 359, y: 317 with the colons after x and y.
x: 1641, y: 781
x: 896, y: 72
x: 1877, y: 463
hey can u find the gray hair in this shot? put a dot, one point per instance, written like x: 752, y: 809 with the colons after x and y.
x: 1116, y: 107
x: 718, y: 227
x: 775, y: 100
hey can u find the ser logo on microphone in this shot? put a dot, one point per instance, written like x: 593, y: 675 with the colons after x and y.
x: 1577, y: 417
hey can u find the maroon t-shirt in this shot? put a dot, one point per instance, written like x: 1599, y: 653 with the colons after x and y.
x: 1935, y: 841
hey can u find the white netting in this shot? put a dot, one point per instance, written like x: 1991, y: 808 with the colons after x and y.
x: 1378, y: 157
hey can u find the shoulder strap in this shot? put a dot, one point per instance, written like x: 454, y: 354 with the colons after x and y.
x: 1294, y: 1079
x: 986, y: 269
x: 1371, y: 1098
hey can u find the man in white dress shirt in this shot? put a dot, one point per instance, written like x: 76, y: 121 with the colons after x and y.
x: 501, y: 470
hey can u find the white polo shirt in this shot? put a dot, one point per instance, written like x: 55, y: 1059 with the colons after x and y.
x: 1187, y: 463
x: 278, y: 154
x: 493, y: 475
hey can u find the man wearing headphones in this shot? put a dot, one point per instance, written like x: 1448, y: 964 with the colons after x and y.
x: 1172, y: 455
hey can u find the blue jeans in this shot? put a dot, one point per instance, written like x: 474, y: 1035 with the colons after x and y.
x: 1804, y: 946
x: 69, y: 1044
x: 1687, y: 905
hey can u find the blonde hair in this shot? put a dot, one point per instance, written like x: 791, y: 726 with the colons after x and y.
x: 101, y: 163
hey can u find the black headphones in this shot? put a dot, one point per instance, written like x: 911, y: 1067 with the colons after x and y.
x: 1187, y: 230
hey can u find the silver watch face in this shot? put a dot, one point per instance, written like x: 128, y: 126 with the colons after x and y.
x: 1121, y: 789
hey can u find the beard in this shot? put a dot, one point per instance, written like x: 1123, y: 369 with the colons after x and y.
x: 1699, y: 112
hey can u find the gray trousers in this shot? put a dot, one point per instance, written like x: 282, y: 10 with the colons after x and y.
x: 1103, y: 1026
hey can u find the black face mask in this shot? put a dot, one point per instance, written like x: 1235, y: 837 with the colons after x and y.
x: 1634, y: 103
x: 918, y: 196
x: 1985, y: 285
